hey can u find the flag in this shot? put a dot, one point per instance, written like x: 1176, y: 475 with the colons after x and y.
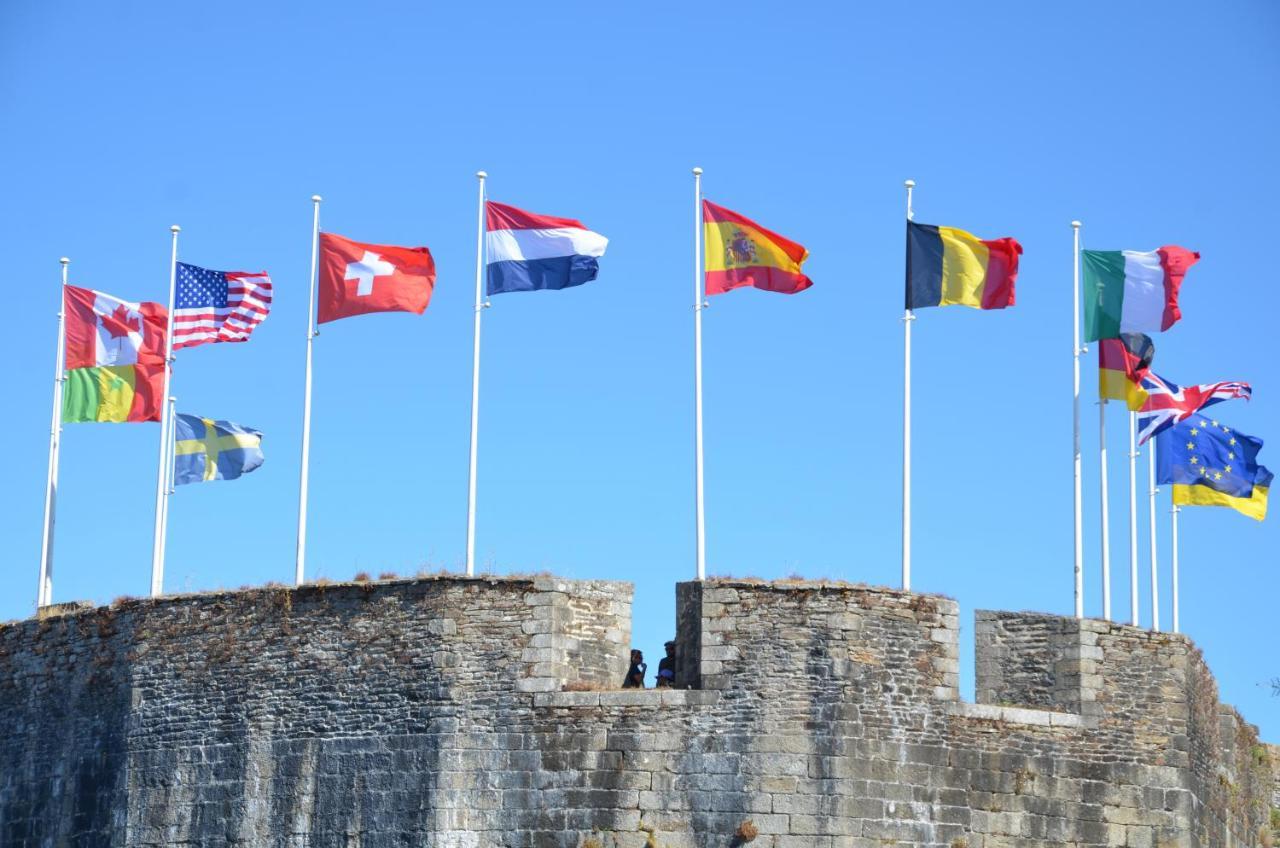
x: 527, y: 252
x: 1209, y: 464
x: 1167, y: 404
x: 739, y: 252
x: 947, y: 267
x: 1122, y: 364
x: 204, y: 449
x: 218, y: 306
x: 114, y: 358
x: 357, y: 278
x: 1131, y: 291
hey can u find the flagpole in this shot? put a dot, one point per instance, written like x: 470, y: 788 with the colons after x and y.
x: 300, y: 560
x: 44, y: 590
x: 1133, y: 520
x: 1106, y: 516
x: 907, y: 317
x: 157, y: 542
x: 698, y: 305
x: 1155, y: 582
x: 1173, y: 512
x: 168, y: 481
x: 1076, y: 350
x: 475, y: 381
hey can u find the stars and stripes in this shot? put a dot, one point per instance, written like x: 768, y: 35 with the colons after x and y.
x: 218, y: 306
x: 1167, y: 403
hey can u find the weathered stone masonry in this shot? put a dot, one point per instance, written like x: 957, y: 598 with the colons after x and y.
x: 435, y: 713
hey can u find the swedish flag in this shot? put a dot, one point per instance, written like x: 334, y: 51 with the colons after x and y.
x: 1209, y: 464
x: 204, y: 449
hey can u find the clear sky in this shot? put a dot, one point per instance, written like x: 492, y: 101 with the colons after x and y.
x: 1154, y: 123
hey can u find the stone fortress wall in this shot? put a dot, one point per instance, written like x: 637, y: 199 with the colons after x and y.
x: 481, y: 712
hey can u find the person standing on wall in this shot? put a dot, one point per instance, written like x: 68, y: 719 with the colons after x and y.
x: 635, y: 674
x: 667, y: 667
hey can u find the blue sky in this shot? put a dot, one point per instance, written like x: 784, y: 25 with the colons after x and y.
x: 1152, y: 123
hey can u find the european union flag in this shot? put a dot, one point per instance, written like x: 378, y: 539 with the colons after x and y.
x: 1209, y: 464
x: 204, y: 449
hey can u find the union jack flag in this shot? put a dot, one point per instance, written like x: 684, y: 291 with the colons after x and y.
x: 1167, y: 403
x: 218, y: 306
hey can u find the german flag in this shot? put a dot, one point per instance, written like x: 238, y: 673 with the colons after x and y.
x: 1122, y: 363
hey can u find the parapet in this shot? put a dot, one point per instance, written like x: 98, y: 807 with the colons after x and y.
x: 484, y: 712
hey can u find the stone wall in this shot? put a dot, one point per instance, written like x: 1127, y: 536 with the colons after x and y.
x: 471, y: 712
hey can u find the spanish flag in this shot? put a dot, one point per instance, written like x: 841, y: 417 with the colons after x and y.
x: 946, y: 267
x: 740, y: 252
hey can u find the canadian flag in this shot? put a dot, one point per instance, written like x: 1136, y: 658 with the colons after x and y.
x: 356, y: 278
x: 105, y: 330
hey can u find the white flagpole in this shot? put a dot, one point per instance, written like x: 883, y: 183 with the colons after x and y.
x: 300, y: 560
x: 1106, y: 517
x: 907, y: 317
x: 481, y: 303
x: 1133, y: 519
x: 44, y: 591
x: 1076, y: 350
x: 1174, y: 524
x: 1155, y: 581
x: 157, y: 542
x: 168, y: 481
x: 699, y: 303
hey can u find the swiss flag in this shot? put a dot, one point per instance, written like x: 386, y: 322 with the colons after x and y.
x: 356, y: 278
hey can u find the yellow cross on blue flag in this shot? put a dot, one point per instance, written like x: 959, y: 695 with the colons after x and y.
x: 204, y: 449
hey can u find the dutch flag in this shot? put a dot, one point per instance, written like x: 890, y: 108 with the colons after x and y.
x: 528, y: 251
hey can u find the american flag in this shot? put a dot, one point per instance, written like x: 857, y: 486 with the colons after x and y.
x: 218, y: 306
x: 1167, y: 403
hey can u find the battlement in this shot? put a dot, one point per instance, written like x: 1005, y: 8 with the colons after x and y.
x: 477, y: 712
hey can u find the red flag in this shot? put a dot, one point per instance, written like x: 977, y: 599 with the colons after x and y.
x: 356, y: 278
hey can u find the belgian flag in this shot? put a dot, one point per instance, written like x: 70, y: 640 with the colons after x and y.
x: 947, y: 266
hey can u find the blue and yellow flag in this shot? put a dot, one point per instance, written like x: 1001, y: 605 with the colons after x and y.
x: 1209, y: 464
x: 204, y: 449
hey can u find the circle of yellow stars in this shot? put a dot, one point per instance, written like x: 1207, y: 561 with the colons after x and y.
x: 1198, y: 461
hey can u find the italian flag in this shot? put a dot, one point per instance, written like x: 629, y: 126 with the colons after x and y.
x: 1133, y: 291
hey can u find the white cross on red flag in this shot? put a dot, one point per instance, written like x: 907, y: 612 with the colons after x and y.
x: 356, y: 278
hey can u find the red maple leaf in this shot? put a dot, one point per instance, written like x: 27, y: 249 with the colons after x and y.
x: 121, y: 322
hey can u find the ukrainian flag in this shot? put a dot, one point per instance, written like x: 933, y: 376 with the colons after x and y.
x: 1209, y: 464
x: 204, y: 449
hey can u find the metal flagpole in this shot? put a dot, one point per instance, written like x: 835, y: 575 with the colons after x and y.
x: 1076, y: 350
x: 1173, y: 513
x: 168, y: 481
x: 157, y: 543
x: 301, y: 556
x: 481, y: 303
x: 907, y: 318
x: 1155, y: 582
x: 44, y: 591
x: 1133, y: 519
x: 699, y: 303
x: 1106, y: 517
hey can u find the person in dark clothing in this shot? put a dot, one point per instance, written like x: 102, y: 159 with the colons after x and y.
x: 667, y: 667
x: 635, y: 674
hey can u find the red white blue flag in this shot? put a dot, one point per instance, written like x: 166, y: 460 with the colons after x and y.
x: 218, y: 306
x: 528, y: 252
x: 1167, y: 403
